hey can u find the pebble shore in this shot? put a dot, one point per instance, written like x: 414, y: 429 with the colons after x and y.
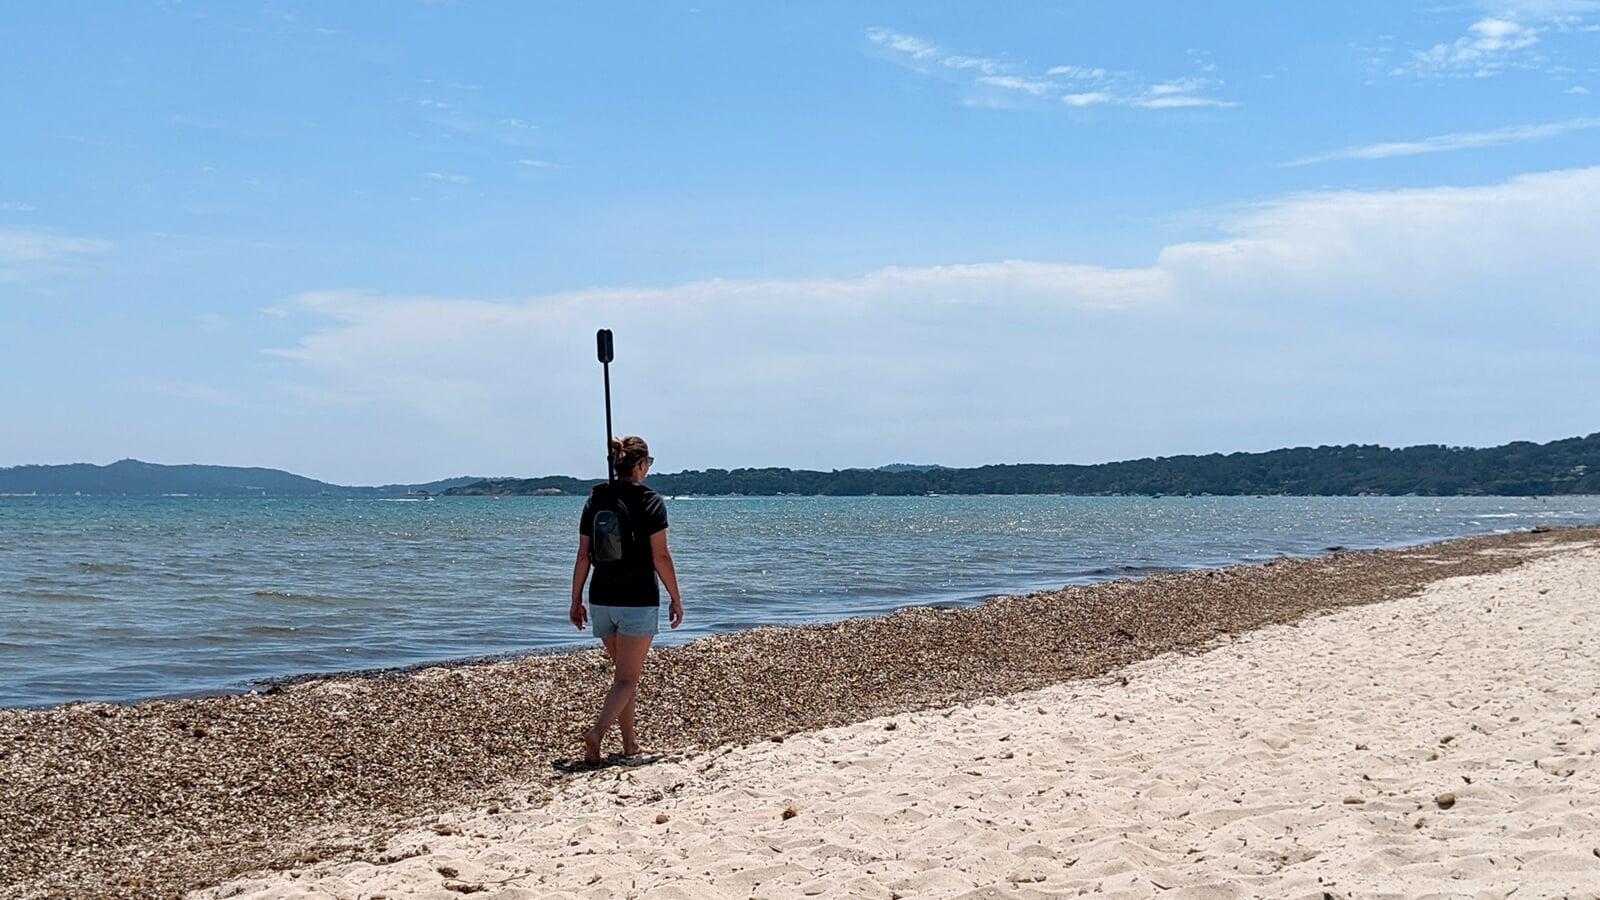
x: 156, y: 799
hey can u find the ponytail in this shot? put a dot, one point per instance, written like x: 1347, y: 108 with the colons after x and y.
x: 627, y: 453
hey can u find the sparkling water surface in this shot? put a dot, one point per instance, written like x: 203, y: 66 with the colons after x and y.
x: 123, y: 599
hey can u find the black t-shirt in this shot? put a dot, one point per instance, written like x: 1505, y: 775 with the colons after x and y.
x: 630, y: 581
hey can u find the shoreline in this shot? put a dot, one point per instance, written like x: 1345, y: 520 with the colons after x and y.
x: 192, y: 792
x: 1084, y: 578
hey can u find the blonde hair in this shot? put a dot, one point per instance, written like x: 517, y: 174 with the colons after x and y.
x: 627, y: 453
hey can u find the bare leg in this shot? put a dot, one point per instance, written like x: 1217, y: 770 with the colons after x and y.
x: 630, y: 735
x: 627, y: 653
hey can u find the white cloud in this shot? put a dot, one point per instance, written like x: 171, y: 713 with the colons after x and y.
x: 1179, y: 86
x: 1077, y: 73
x: 542, y: 164
x: 1508, y: 36
x: 1455, y: 246
x: 1577, y: 90
x: 17, y: 206
x: 1015, y: 83
x: 910, y: 49
x: 1181, y: 101
x: 1089, y: 98
x: 983, y: 355
x: 906, y: 44
x: 1467, y: 140
x: 35, y: 254
x: 981, y: 63
x: 996, y: 74
x: 1180, y: 93
x: 448, y: 177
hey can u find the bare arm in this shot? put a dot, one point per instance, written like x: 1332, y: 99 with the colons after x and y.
x: 662, y: 554
x: 580, y: 573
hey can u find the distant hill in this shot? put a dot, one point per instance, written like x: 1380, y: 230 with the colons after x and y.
x: 132, y: 478
x: 1569, y: 466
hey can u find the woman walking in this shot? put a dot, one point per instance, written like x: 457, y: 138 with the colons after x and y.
x: 624, y: 597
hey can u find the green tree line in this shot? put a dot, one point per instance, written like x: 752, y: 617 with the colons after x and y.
x: 1522, y: 468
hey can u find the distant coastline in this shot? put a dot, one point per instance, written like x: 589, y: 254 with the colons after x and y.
x: 134, y: 478
x: 1519, y: 469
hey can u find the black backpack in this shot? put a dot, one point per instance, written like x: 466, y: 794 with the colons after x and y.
x: 611, y: 531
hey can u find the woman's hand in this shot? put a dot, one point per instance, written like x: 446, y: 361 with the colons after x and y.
x: 675, y: 612
x: 578, y: 615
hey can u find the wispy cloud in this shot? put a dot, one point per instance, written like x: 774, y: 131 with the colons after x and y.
x: 1508, y: 34
x: 991, y: 79
x: 1577, y: 90
x: 1444, y: 143
x: 1018, y: 83
x: 1484, y: 48
x: 542, y: 164
x: 448, y: 177
x: 921, y: 54
x: 28, y: 254
x: 1087, y: 98
x: 17, y: 206
x: 1077, y: 73
x: 1180, y: 101
x: 1181, y: 93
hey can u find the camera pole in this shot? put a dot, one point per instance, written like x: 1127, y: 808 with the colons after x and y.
x: 603, y: 350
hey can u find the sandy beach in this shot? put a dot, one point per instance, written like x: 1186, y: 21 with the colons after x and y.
x: 1253, y: 728
x: 1439, y: 745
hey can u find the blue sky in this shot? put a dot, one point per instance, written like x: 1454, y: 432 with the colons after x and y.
x: 371, y: 242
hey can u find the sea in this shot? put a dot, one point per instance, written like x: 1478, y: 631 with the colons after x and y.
x: 126, y: 599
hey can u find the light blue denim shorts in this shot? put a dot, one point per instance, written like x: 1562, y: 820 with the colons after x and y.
x: 628, y: 621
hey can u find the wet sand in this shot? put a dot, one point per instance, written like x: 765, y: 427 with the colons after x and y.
x: 155, y: 799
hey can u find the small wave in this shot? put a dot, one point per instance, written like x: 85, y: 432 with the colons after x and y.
x: 64, y: 597
x: 1498, y: 516
x: 273, y: 630
x: 292, y: 597
x: 100, y: 568
x: 1123, y: 571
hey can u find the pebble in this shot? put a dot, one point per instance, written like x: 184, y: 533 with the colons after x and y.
x: 1445, y: 800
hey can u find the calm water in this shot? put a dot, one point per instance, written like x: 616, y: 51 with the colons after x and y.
x: 124, y: 599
